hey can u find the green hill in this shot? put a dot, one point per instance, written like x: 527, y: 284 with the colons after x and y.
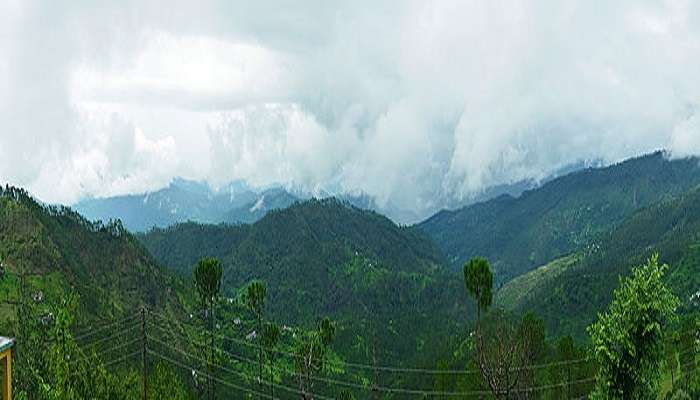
x: 56, y: 251
x: 569, y: 292
x: 521, y: 233
x: 325, y: 257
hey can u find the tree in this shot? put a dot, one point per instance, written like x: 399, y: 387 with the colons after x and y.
x: 270, y: 337
x: 560, y: 370
x: 478, y: 280
x: 531, y: 335
x: 688, y: 350
x: 60, y: 369
x: 255, y: 301
x: 310, y: 355
x: 165, y: 384
x: 503, y: 350
x: 207, y: 281
x: 442, y: 380
x: 671, y: 354
x: 628, y: 338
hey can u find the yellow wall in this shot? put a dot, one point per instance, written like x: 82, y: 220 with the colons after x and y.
x: 6, y: 361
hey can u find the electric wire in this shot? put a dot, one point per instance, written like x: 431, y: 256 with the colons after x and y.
x: 380, y: 388
x: 123, y: 358
x: 111, y: 337
x: 91, y: 332
x: 238, y: 373
x: 402, y: 369
x: 204, y: 374
x: 104, y: 351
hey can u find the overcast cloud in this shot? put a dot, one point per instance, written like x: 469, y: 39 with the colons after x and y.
x: 412, y: 102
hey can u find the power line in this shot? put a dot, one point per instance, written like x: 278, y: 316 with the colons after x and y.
x: 353, y: 385
x: 240, y: 374
x: 99, y: 322
x: 204, y: 374
x: 400, y: 369
x: 92, y: 332
x: 120, y: 359
x: 111, y: 337
x: 103, y: 352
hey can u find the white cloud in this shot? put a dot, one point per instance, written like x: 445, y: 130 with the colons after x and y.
x: 413, y: 102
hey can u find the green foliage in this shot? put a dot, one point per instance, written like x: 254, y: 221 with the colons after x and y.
x: 325, y: 257
x: 628, y: 338
x: 61, y: 270
x: 60, y: 251
x: 311, y: 350
x: 207, y: 279
x: 479, y: 281
x: 346, y: 395
x: 688, y: 348
x: 326, y: 331
x: 256, y: 293
x: 679, y: 394
x: 55, y: 367
x: 270, y: 337
x: 531, y: 330
x: 255, y: 301
x: 569, y: 292
x: 562, y: 216
x: 164, y: 383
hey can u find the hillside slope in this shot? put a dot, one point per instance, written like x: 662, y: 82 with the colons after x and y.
x: 570, y: 295
x: 563, y: 215
x: 57, y: 251
x: 326, y: 257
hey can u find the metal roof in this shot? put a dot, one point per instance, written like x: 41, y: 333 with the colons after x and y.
x: 6, y: 343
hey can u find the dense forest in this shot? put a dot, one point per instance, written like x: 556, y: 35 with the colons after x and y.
x: 562, y: 216
x: 327, y: 257
x: 585, y: 286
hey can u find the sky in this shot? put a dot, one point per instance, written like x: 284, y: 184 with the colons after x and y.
x: 415, y: 103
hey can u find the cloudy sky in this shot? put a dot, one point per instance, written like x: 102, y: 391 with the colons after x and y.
x: 411, y: 102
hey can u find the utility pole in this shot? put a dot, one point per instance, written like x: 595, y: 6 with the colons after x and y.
x: 145, y: 351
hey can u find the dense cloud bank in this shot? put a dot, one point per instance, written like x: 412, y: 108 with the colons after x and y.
x: 414, y: 103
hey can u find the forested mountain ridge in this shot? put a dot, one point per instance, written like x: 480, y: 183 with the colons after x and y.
x: 569, y: 292
x: 56, y: 251
x: 325, y: 222
x: 520, y: 233
x: 327, y: 257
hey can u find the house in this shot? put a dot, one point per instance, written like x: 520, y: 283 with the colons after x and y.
x: 6, y: 345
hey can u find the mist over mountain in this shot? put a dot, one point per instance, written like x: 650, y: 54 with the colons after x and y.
x: 565, y: 214
x: 237, y: 202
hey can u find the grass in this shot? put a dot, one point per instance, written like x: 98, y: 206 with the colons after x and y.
x: 517, y: 292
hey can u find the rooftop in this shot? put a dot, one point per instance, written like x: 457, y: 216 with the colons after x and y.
x: 6, y: 343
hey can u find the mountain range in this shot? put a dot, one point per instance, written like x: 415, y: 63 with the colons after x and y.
x: 237, y: 202
x: 396, y: 291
